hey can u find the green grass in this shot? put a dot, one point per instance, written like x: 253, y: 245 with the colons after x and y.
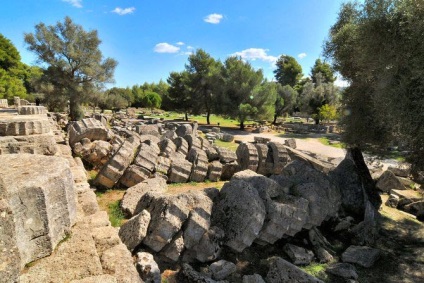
x: 317, y: 270
x: 230, y: 145
x: 116, y: 216
x: 326, y: 141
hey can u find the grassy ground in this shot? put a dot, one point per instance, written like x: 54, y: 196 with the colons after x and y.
x: 230, y: 145
x: 109, y: 201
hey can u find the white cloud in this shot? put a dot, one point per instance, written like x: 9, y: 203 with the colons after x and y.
x: 166, y: 48
x: 75, y: 3
x: 180, y: 43
x: 124, y: 11
x: 256, y: 54
x: 213, y: 18
x: 340, y: 82
x: 302, y: 55
x: 189, y: 47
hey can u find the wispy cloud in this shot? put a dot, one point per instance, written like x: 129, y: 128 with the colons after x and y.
x: 75, y: 3
x: 302, y: 55
x: 213, y: 18
x: 256, y: 54
x: 166, y: 48
x: 340, y: 82
x: 123, y: 11
x: 180, y: 43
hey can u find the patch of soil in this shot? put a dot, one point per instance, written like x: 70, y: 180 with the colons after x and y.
x: 185, y: 187
x: 104, y: 199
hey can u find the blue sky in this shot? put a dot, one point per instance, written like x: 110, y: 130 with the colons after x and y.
x: 151, y: 38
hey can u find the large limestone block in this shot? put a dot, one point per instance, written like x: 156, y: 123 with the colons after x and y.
x: 41, y: 196
x: 31, y: 110
x: 117, y: 261
x: 214, y: 171
x: 163, y: 165
x: 87, y: 128
x: 134, y: 230
x: 316, y: 163
x: 184, y: 129
x: 24, y: 126
x: 96, y: 153
x: 279, y: 155
x: 283, y: 271
x: 147, y: 156
x: 361, y: 255
x: 226, y: 155
x: 247, y: 156
x: 388, y: 182
x: 135, y: 193
x: 114, y: 169
x: 199, y: 159
x: 209, y: 246
x: 167, y: 147
x: 240, y: 212
x: 35, y: 144
x: 9, y: 253
x: 228, y: 170
x: 180, y: 170
x: 148, y: 268
x: 174, y: 249
x: 133, y: 175
x: 193, y: 141
x: 182, y: 145
x: 152, y: 129
x: 262, y: 150
x: 105, y: 237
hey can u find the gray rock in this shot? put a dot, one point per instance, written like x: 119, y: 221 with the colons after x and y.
x: 392, y: 201
x: 117, y: 261
x: 214, y: 171
x: 222, y: 269
x: 174, y: 249
x: 87, y: 128
x: 147, y: 156
x: 105, y: 278
x: 105, y: 237
x: 41, y: 196
x: 212, y: 153
x: 35, y: 144
x: 188, y: 274
x: 167, y: 147
x: 184, y: 129
x: 182, y: 145
x: 133, y: 175
x: 209, y: 246
x: 134, y: 230
x: 226, y: 155
x: 133, y: 194
x: 96, y: 153
x: 179, y: 171
x: 363, y: 256
x: 152, y: 129
x: 416, y: 208
x: 228, y: 170
x: 163, y: 165
x: 262, y: 150
x: 343, y: 270
x: 290, y: 143
x: 298, y: 255
x: 389, y: 182
x: 148, y: 268
x: 227, y: 137
x: 193, y: 141
x: 255, y: 278
x: 402, y: 170
x: 320, y: 165
x: 240, y: 212
x: 279, y: 155
x: 283, y: 271
x: 247, y: 156
x: 199, y: 159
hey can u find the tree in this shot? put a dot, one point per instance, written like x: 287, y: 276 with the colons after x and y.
x: 239, y: 81
x: 203, y: 75
x: 179, y: 92
x: 74, y: 61
x: 377, y: 46
x: 289, y: 71
x: 152, y: 100
x: 323, y: 72
x: 285, y: 100
x: 327, y: 112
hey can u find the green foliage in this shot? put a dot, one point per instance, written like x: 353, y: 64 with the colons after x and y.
x: 151, y: 100
x: 245, y: 110
x: 285, y: 101
x: 316, y: 270
x: 322, y: 72
x: 74, y: 61
x: 377, y: 46
x: 289, y: 71
x: 179, y: 92
x: 328, y: 112
x: 116, y: 216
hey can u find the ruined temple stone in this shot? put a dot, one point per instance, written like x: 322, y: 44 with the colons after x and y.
x: 147, y: 156
x: 190, y: 275
x: 41, y: 197
x: 199, y: 220
x: 212, y: 154
x: 9, y: 253
x: 152, y: 129
x: 401, y: 170
x: 266, y: 187
x: 174, y: 249
x: 262, y: 150
x: 179, y: 171
x: 416, y: 208
x: 279, y: 156
x: 134, y: 230
x: 406, y: 197
x: 163, y: 165
x: 184, y: 129
x: 193, y: 141
x: 87, y: 128
x: 281, y: 270
x: 31, y: 110
x: 117, y: 164
x: 24, y: 125
x: 227, y: 137
x: 320, y: 246
x: 35, y: 144
x: 320, y: 165
x: 228, y: 170
x: 240, y: 212
x: 167, y: 147
x: 148, y: 268
x: 149, y: 139
x: 255, y: 278
x: 290, y: 143
x: 388, y: 182
x: 214, y: 171
x: 133, y: 175
x: 221, y: 269
x: 133, y: 194
x: 117, y: 261
x: 87, y: 201
x: 182, y: 145
x: 343, y: 270
x: 168, y: 213
x: 363, y: 256
x: 105, y: 238
x: 101, y: 118
x: 96, y: 153
x: 247, y: 156
x: 226, y: 155
x: 104, y: 278
x: 205, y: 143
x: 209, y: 246
x: 298, y: 255
x: 199, y: 159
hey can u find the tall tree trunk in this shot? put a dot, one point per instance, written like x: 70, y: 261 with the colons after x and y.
x: 186, y: 116
x: 275, y: 119
x: 241, y: 125
x: 208, y: 114
x: 75, y: 111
